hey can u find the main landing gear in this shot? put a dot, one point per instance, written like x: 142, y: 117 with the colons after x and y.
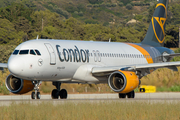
x: 56, y: 93
x: 36, y: 94
x: 129, y: 95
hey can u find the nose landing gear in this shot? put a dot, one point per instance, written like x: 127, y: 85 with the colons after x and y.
x: 36, y: 94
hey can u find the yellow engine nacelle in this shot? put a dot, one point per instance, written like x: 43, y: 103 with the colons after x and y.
x: 123, y: 81
x: 18, y: 85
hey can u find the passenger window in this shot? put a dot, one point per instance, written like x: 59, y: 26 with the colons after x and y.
x: 37, y: 52
x: 23, y: 52
x: 15, y: 52
x: 32, y: 52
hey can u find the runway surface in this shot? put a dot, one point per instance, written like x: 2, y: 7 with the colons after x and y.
x: 168, y: 97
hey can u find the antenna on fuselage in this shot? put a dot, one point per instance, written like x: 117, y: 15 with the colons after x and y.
x: 109, y: 39
x: 37, y: 37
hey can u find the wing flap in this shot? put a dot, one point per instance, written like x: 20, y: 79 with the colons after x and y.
x: 155, y: 65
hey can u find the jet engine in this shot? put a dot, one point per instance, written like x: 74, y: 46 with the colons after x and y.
x: 123, y: 81
x: 18, y: 85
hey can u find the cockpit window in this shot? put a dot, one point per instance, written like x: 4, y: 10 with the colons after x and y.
x: 22, y: 52
x: 38, y: 53
x: 32, y: 52
x: 15, y: 52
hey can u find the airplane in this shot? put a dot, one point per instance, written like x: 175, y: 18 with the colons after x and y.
x: 120, y: 65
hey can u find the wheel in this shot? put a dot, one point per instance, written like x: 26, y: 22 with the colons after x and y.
x: 63, y: 94
x: 33, y: 96
x: 38, y: 96
x: 55, y: 94
x: 121, y: 95
x: 131, y: 94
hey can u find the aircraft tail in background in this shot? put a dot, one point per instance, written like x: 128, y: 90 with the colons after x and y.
x: 156, y: 32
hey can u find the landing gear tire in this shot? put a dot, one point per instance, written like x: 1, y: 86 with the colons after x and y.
x: 38, y: 95
x: 121, y: 95
x: 63, y: 94
x: 33, y: 96
x: 55, y: 94
x: 58, y: 92
x: 131, y: 94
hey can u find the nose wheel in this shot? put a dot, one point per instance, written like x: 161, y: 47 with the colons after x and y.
x: 36, y: 94
x: 56, y: 93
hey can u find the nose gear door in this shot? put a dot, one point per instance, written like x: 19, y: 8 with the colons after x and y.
x: 51, y: 53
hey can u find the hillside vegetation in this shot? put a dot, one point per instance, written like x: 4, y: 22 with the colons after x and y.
x: 97, y: 20
x: 22, y: 20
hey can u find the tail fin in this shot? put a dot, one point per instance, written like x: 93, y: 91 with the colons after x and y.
x: 156, y: 32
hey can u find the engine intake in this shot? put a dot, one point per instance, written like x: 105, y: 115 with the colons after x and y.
x: 123, y: 81
x: 18, y: 85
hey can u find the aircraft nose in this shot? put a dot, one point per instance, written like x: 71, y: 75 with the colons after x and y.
x: 15, y: 65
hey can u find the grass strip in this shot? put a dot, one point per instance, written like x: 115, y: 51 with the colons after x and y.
x: 92, y: 111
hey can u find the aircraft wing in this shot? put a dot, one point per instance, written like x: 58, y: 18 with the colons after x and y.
x: 3, y: 65
x: 171, y: 55
x: 108, y: 69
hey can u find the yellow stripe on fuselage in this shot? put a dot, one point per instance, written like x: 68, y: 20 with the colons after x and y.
x: 143, y: 51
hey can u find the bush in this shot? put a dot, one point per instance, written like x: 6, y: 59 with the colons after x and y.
x: 129, y: 6
x: 138, y: 17
x: 125, y: 2
x: 80, y: 13
x: 95, y: 1
x: 105, y: 23
x: 113, y: 5
x: 95, y: 5
x: 62, y: 12
x: 91, y: 22
x: 89, y: 5
x: 120, y: 4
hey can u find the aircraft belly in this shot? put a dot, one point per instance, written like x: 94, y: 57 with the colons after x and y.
x: 58, y: 72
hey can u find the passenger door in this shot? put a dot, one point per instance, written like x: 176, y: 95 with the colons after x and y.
x: 51, y: 53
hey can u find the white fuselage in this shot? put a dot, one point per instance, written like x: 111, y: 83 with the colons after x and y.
x: 60, y: 59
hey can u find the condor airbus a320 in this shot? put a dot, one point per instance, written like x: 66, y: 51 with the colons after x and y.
x: 121, y: 65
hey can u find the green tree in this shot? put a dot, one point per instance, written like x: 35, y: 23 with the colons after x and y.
x: 14, y: 11
x: 120, y: 4
x: 95, y: 1
x: 22, y: 24
x: 125, y: 2
x: 7, y: 31
x: 129, y: 6
x: 150, y: 13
